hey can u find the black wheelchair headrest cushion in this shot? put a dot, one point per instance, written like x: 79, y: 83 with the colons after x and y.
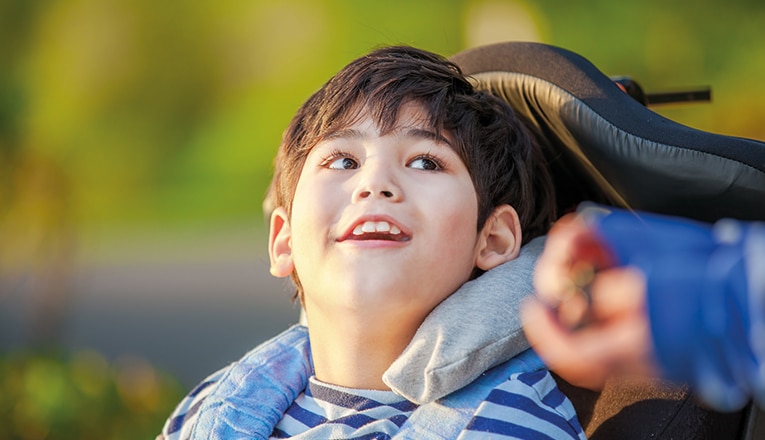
x: 605, y: 146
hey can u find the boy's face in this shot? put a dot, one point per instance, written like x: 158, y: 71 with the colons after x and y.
x: 380, y: 222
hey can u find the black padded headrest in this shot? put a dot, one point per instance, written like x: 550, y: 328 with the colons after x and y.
x: 605, y: 146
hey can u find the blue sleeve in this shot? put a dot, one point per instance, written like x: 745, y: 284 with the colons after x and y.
x: 705, y: 289
x: 180, y: 421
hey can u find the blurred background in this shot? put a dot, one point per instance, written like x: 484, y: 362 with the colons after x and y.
x: 136, y: 144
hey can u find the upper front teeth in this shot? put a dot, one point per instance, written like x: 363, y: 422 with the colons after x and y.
x: 368, y: 227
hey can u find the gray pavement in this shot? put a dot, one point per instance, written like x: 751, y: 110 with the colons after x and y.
x: 188, y: 313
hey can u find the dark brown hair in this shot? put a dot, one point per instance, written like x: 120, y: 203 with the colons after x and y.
x: 504, y: 162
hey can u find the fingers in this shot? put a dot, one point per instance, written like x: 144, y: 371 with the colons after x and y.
x: 616, y: 340
x: 588, y: 321
x: 560, y: 349
x: 616, y: 293
x: 572, y: 255
x: 550, y: 274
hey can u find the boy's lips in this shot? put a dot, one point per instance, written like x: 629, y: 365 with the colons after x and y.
x: 375, y: 228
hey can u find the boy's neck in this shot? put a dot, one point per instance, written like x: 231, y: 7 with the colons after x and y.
x: 354, y: 352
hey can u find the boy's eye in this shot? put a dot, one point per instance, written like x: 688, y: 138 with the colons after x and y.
x: 426, y: 163
x: 342, y: 163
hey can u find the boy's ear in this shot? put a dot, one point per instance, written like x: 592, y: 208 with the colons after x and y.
x: 280, y: 244
x: 500, y: 239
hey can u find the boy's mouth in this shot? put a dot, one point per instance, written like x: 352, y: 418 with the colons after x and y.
x: 376, y: 230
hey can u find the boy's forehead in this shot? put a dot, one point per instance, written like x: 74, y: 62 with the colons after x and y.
x: 412, y: 119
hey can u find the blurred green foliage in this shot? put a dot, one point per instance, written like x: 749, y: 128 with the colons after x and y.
x: 140, y: 112
x: 172, y: 111
x: 82, y: 396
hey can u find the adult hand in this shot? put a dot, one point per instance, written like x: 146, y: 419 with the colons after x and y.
x: 587, y: 340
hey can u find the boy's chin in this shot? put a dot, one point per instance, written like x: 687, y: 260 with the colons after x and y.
x: 386, y: 296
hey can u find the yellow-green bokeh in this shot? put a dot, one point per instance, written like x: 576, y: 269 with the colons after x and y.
x: 133, y: 112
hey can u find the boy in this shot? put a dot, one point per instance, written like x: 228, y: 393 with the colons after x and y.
x: 395, y: 184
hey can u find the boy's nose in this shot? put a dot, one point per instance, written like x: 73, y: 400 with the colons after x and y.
x: 368, y: 193
x: 378, y: 178
x: 377, y: 187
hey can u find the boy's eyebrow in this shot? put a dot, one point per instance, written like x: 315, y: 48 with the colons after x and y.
x: 347, y: 133
x: 416, y: 132
x: 426, y: 134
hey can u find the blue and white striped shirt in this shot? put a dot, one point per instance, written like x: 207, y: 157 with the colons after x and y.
x: 254, y: 399
x: 528, y: 405
x: 329, y: 411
